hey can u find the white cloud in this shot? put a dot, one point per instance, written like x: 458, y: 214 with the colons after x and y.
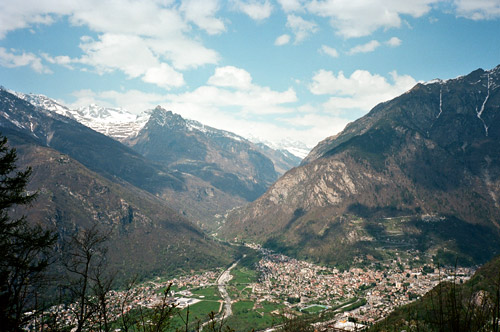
x: 257, y: 10
x: 156, y: 31
x: 478, y: 9
x: 112, y: 52
x: 300, y: 27
x: 231, y: 91
x: 365, y: 48
x: 357, y: 18
x: 62, y: 60
x: 361, y: 91
x: 184, y: 53
x: 134, y: 101
x: 232, y: 77
x: 12, y: 60
x: 329, y: 51
x: 394, y: 42
x: 291, y: 5
x: 164, y: 76
x: 202, y: 13
x: 282, y: 40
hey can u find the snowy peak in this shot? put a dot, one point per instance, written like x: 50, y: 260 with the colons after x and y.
x: 163, y: 118
x: 114, y: 122
x: 46, y: 103
x: 296, y: 148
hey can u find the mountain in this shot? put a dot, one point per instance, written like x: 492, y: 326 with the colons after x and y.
x: 291, y: 146
x: 191, y: 196
x: 228, y: 162
x: 421, y: 171
x: 85, y: 177
x: 282, y: 159
x: 113, y: 122
x: 226, y: 170
x: 122, y: 125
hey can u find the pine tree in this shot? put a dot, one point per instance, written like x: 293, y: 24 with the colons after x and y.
x: 24, y: 249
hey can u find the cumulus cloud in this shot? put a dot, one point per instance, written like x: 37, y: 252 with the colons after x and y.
x: 232, y: 88
x: 12, y: 58
x: 394, y: 42
x: 365, y: 48
x: 158, y: 32
x: 232, y: 77
x: 300, y: 27
x: 257, y: 10
x: 362, y: 90
x: 478, y: 9
x: 282, y: 40
x: 291, y: 5
x: 62, y: 60
x: 202, y: 13
x: 164, y: 76
x: 357, y: 18
x: 329, y: 51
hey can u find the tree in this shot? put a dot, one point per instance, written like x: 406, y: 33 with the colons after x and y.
x: 24, y: 249
x: 89, y: 278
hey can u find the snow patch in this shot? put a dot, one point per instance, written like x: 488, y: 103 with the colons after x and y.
x: 480, y: 112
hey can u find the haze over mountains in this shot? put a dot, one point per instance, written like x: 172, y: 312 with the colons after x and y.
x: 84, y: 176
x: 219, y: 170
x: 418, y: 172
x: 421, y: 171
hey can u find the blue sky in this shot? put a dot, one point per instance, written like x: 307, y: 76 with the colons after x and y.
x: 273, y: 69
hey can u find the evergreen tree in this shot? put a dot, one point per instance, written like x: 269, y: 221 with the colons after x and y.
x: 24, y: 249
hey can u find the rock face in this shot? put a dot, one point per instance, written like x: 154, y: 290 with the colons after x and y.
x: 84, y: 177
x: 215, y: 170
x: 428, y: 160
x: 228, y: 162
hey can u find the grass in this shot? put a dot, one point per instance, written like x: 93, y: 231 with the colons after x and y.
x: 198, y: 311
x: 209, y: 293
x: 243, y: 275
x: 246, y: 318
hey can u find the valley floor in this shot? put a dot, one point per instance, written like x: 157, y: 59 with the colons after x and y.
x: 261, y: 291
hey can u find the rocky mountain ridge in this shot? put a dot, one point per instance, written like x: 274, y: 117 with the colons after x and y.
x: 113, y: 122
x: 84, y: 177
x: 434, y: 151
x: 123, y: 126
x: 228, y: 162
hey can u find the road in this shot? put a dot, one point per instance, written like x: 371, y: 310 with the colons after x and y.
x: 222, y: 281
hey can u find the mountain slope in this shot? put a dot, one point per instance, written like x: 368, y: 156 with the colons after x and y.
x: 420, y: 171
x: 112, y: 122
x: 86, y: 177
x: 94, y: 150
x: 227, y: 161
x: 147, y: 237
x: 189, y: 195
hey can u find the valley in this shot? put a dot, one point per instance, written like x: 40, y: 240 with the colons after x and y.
x: 264, y: 288
x: 217, y: 231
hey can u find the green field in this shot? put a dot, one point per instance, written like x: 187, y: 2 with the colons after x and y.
x: 209, y: 293
x: 197, y: 312
x: 247, y: 316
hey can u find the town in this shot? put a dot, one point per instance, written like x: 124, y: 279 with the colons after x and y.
x: 360, y: 294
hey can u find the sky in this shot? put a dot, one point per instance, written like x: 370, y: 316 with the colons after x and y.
x: 268, y: 69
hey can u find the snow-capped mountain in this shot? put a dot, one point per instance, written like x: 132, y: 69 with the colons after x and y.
x: 120, y: 124
x: 298, y: 149
x: 113, y: 122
